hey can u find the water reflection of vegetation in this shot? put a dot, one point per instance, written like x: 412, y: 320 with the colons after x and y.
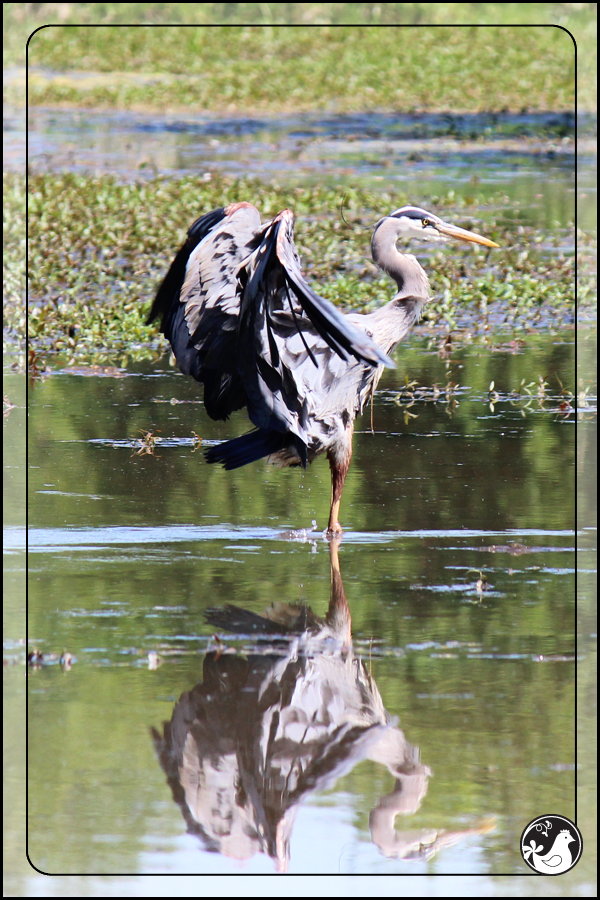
x: 490, y: 677
x: 491, y: 680
x: 478, y: 678
x: 536, y: 449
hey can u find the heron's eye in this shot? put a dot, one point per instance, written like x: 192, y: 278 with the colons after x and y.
x: 426, y: 223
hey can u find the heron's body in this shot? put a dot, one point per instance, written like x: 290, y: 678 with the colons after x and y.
x: 242, y: 320
x: 335, y: 391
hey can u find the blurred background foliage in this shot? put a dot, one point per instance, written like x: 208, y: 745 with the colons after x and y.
x: 278, y: 68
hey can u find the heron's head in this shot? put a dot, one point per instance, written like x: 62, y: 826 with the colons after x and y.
x: 412, y: 222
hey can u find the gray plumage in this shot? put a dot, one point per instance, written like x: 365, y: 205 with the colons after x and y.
x: 242, y: 320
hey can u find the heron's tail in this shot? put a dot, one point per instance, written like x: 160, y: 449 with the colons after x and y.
x: 247, y: 448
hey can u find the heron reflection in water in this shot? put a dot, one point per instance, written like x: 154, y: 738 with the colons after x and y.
x: 242, y: 320
x: 266, y: 729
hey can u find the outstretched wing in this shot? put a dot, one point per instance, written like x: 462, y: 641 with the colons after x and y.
x: 276, y: 396
x: 199, y: 303
x: 334, y: 327
x: 217, y: 304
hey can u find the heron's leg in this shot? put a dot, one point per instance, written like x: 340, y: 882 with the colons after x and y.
x: 339, y: 463
x: 338, y: 614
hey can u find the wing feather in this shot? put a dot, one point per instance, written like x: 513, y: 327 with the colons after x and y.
x: 334, y: 327
x: 199, y: 302
x: 223, y: 302
x: 277, y: 397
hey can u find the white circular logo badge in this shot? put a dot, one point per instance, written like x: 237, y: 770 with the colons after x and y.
x: 551, y: 845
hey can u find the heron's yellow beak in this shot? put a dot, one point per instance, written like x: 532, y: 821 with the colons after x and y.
x: 454, y: 231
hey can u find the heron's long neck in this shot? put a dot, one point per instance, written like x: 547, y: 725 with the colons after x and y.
x: 391, y: 323
x: 404, y: 269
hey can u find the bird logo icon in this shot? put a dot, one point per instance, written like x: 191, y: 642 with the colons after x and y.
x: 549, y: 851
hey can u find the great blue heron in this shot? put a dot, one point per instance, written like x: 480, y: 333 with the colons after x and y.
x: 242, y: 320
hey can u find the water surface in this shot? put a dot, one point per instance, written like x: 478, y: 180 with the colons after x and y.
x: 457, y: 565
x: 458, y: 569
